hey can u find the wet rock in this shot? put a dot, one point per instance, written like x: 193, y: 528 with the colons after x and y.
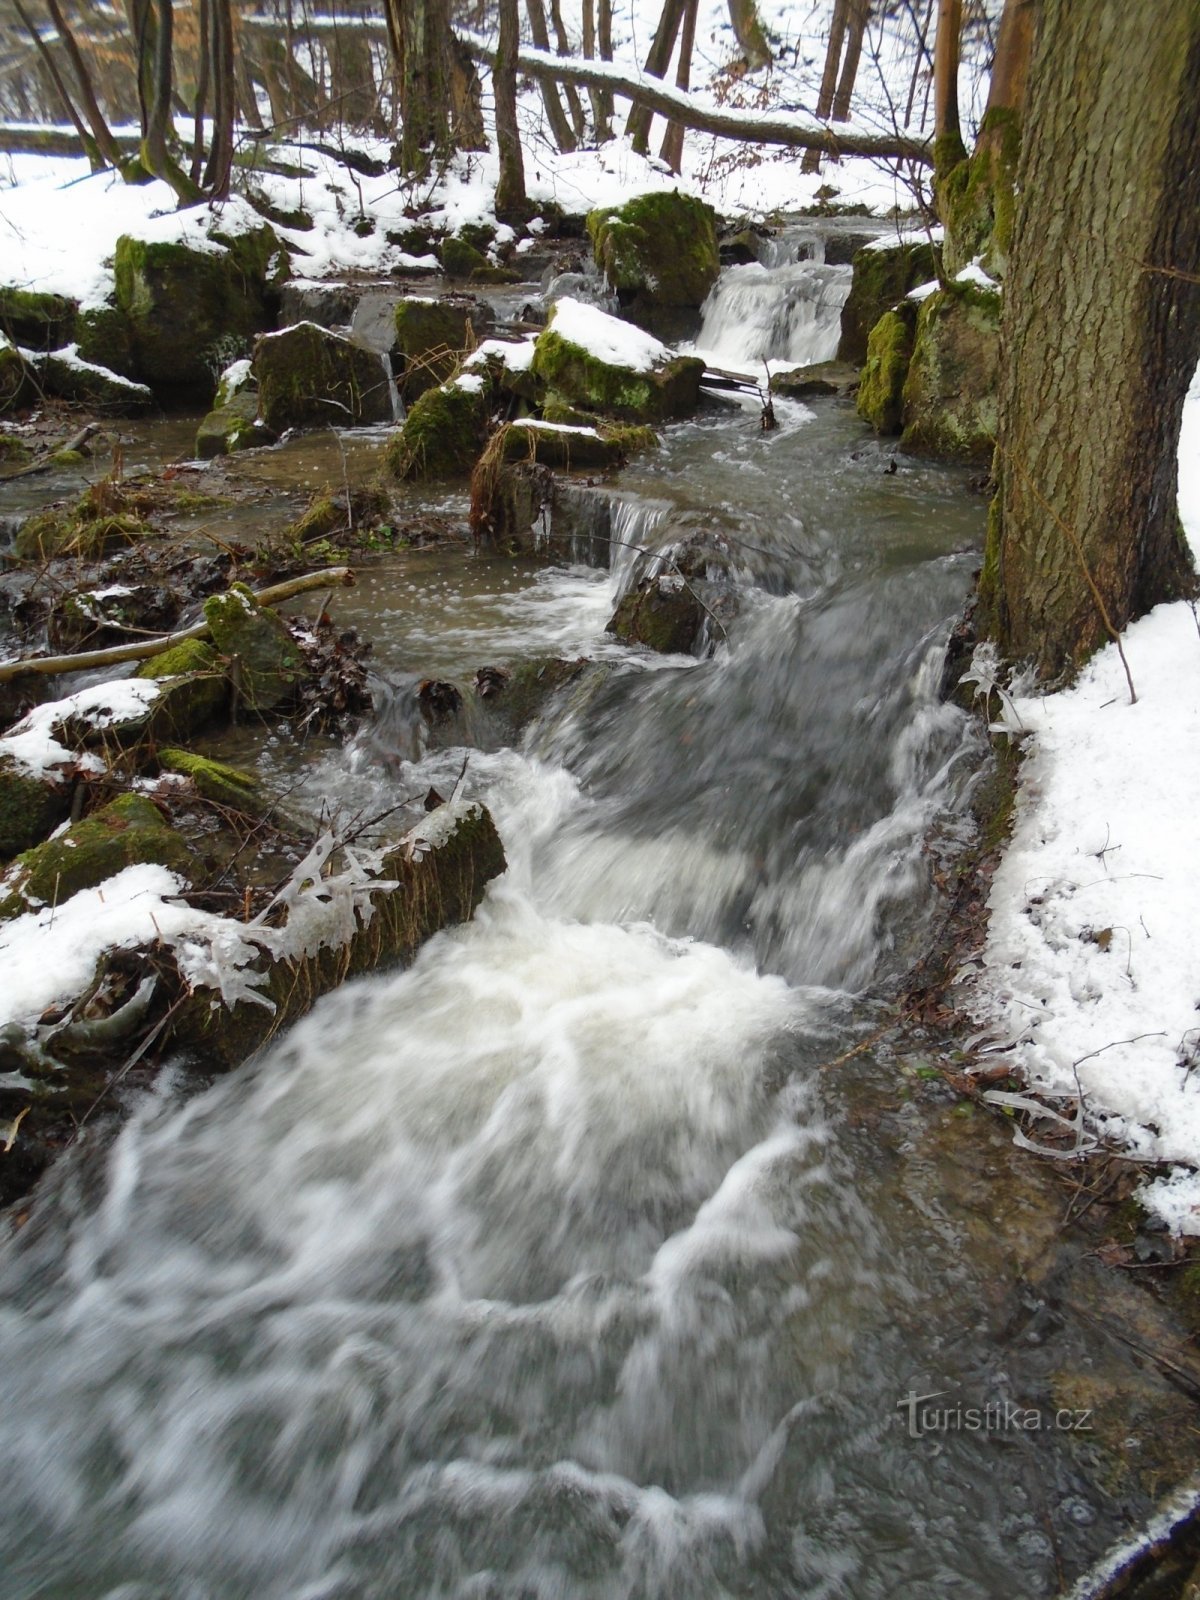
x: 182, y: 304
x: 129, y: 831
x: 265, y: 662
x: 822, y: 378
x: 228, y: 787
x: 882, y: 277
x: 574, y: 375
x: 556, y: 444
x: 438, y: 701
x: 460, y: 258
x: 950, y: 393
x: 34, y: 320
x: 443, y: 434
x: 87, y: 530
x: 90, y: 618
x: 329, y: 305
x: 309, y: 377
x: 30, y: 806
x: 193, y: 689
x: 889, y: 351
x: 657, y: 249
x: 433, y: 335
x: 740, y: 248
x: 526, y: 509
x: 663, y: 613
x: 439, y: 881
x: 233, y: 427
x: 65, y: 374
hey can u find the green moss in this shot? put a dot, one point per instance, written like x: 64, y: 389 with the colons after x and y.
x: 950, y: 394
x: 182, y: 304
x: 442, y: 435
x: 232, y: 427
x: 29, y: 807
x: 75, y: 532
x: 460, y: 259
x: 495, y: 275
x: 432, y: 335
x: 657, y: 249
x: 36, y: 321
x: 130, y: 830
x: 269, y: 665
x: 881, y: 387
x: 631, y: 439
x: 882, y: 278
x: 308, y: 376
x: 976, y: 195
x: 223, y: 785
x: 575, y: 377
x: 104, y: 336
x: 195, y: 689
x: 663, y: 614
x: 190, y: 655
x: 14, y: 452
x: 17, y: 387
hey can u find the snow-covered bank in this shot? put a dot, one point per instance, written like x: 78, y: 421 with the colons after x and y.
x: 1092, y: 964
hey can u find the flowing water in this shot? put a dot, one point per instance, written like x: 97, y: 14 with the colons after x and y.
x: 552, y: 1267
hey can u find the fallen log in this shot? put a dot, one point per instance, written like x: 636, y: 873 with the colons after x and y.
x: 26, y: 139
x: 791, y: 129
x: 114, y: 655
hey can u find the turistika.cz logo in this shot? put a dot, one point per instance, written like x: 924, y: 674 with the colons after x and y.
x: 996, y: 1416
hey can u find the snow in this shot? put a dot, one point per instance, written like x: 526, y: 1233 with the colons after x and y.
x: 608, y: 339
x: 70, y: 357
x: 1091, y: 966
x: 889, y: 241
x: 516, y: 357
x: 31, y: 742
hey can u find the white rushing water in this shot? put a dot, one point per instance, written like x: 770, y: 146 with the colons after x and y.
x: 540, y: 1271
x: 789, y: 313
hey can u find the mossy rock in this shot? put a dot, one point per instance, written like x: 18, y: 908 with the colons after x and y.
x: 882, y: 278
x: 818, y: 379
x: 103, y: 334
x: 182, y: 304
x: 951, y: 392
x: 495, y: 275
x: 432, y: 335
x: 662, y: 613
x: 443, y: 434
x: 34, y: 320
x: 30, y: 807
x: 460, y: 259
x: 657, y: 249
x: 75, y: 532
x: 232, y: 427
x: 97, y: 387
x: 310, y: 377
x: 127, y: 832
x: 269, y: 666
x: 18, y: 385
x: 194, y: 688
x: 14, y: 452
x: 575, y: 377
x: 889, y: 351
x: 86, y: 619
x: 436, y: 888
x: 225, y: 786
x: 584, y: 448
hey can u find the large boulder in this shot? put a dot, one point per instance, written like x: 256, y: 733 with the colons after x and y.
x: 34, y: 320
x: 889, y: 351
x: 677, y: 596
x: 443, y: 433
x: 310, y: 377
x: 526, y: 509
x: 603, y: 365
x: 127, y: 832
x: 950, y: 393
x: 68, y: 375
x: 432, y: 336
x: 186, y: 299
x: 193, y: 689
x: 657, y: 250
x: 883, y: 275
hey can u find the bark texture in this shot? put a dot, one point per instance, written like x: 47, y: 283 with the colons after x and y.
x: 422, y: 54
x: 511, y: 202
x: 1101, y: 331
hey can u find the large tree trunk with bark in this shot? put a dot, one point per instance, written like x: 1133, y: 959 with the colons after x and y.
x: 511, y: 202
x: 1101, y: 332
x: 422, y: 54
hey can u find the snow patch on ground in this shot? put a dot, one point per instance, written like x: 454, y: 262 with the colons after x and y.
x: 1092, y: 965
x: 31, y: 742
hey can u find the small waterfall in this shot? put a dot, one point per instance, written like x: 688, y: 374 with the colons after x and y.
x: 784, y: 313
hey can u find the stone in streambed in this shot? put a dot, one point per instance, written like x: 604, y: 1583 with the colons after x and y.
x: 269, y: 666
x: 309, y: 377
x: 30, y: 806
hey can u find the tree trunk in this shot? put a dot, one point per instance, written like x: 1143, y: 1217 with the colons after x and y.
x: 600, y: 112
x: 829, y: 77
x: 1101, y: 331
x: 672, y: 145
x: 856, y: 26
x: 658, y: 59
x: 221, y: 75
x: 511, y: 202
x: 578, y: 121
x: 1010, y: 69
x: 748, y: 30
x: 604, y: 16
x: 945, y: 85
x: 422, y: 46
x: 105, y: 143
x: 557, y: 117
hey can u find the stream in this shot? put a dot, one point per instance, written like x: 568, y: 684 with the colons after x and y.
x: 556, y: 1266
